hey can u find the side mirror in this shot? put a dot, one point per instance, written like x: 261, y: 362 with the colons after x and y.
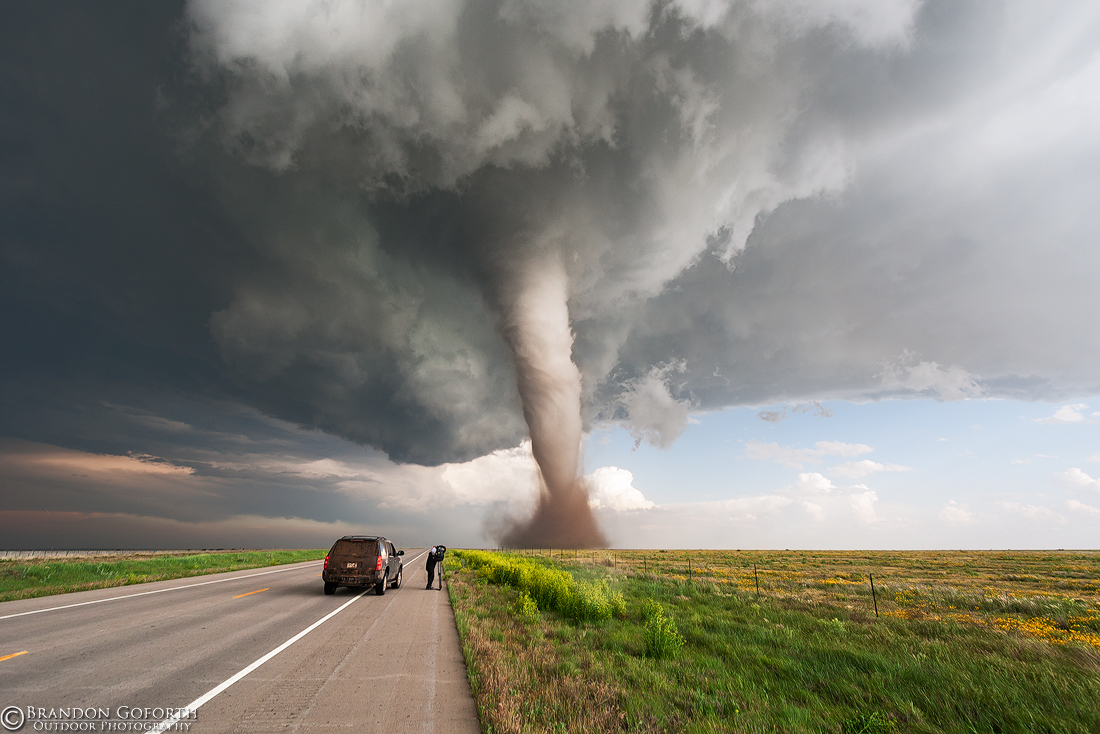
x: 400, y: 553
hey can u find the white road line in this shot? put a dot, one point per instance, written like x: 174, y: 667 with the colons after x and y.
x: 206, y: 697
x: 146, y: 593
x: 194, y: 705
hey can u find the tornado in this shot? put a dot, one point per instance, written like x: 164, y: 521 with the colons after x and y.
x: 536, y: 328
x: 408, y: 168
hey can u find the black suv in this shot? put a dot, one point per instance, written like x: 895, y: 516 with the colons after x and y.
x: 363, y: 560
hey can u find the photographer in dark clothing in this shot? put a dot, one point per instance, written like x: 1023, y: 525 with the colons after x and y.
x: 435, y: 556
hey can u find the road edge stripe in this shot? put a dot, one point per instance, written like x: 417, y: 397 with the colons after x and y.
x: 13, y: 655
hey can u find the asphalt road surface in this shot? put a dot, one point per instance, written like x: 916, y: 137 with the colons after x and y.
x: 262, y: 650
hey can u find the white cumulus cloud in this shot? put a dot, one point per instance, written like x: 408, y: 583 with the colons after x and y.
x: 511, y: 476
x: 1067, y: 415
x: 863, y: 503
x: 814, y: 482
x: 612, y: 488
x: 507, y: 475
x: 1082, y: 508
x: 1079, y: 478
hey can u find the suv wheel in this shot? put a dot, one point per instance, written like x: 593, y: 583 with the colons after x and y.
x: 330, y: 588
x: 380, y: 587
x: 397, y: 580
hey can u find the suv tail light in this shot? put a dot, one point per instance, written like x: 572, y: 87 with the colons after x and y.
x: 378, y: 566
x: 326, y: 564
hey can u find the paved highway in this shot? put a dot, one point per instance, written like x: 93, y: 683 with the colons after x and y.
x: 370, y: 663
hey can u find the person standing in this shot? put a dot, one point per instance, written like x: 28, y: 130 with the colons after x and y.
x: 435, y: 556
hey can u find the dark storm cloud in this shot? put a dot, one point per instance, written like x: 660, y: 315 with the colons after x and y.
x: 319, y: 211
x: 112, y: 263
x: 591, y: 158
x: 374, y: 155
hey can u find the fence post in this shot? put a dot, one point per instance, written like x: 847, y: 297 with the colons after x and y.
x: 756, y: 576
x: 873, y: 598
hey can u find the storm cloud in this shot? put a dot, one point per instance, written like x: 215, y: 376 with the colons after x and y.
x: 332, y: 213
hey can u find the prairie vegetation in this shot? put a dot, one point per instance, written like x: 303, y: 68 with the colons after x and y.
x: 30, y: 578
x: 548, y: 588
x: 1053, y: 594
x: 964, y: 642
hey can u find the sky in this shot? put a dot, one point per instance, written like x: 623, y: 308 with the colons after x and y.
x: 810, y: 274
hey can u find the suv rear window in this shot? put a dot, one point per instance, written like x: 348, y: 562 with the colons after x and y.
x: 354, y: 549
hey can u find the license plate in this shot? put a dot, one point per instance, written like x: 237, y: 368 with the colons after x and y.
x: 352, y: 565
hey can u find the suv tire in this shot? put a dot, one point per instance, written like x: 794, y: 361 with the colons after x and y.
x: 330, y: 588
x: 397, y: 580
x: 380, y: 587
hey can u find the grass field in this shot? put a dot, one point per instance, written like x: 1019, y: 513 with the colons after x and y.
x: 963, y: 642
x: 29, y: 578
x: 983, y: 587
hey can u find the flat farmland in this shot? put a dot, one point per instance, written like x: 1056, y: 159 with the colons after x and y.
x: 980, y: 587
x: 962, y: 641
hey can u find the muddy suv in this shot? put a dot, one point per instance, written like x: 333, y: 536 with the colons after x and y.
x: 363, y: 560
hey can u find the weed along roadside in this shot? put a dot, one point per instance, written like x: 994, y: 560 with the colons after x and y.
x: 1011, y: 642
x: 27, y: 579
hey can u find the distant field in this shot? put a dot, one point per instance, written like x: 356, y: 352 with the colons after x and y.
x: 29, y: 578
x: 982, y: 587
x: 964, y: 642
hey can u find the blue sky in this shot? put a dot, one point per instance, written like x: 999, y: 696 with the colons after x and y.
x: 1004, y: 464
x: 973, y: 447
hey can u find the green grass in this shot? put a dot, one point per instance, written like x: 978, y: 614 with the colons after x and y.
x: 26, y: 579
x: 549, y: 588
x: 776, y: 663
